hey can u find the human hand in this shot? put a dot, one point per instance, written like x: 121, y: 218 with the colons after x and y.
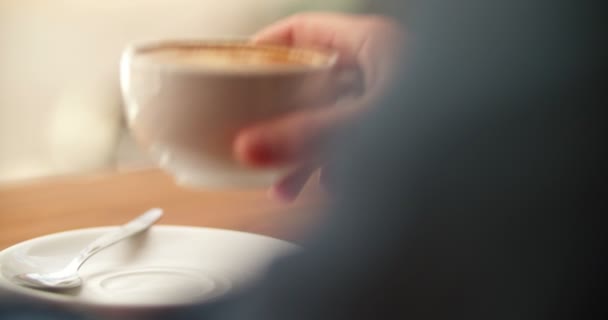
x: 369, y: 44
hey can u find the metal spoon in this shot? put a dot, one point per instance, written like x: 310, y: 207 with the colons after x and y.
x: 68, y: 277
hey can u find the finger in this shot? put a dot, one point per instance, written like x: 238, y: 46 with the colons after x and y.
x: 288, y: 188
x: 306, y: 29
x: 277, y: 33
x: 290, y: 139
x: 369, y: 42
x: 320, y: 31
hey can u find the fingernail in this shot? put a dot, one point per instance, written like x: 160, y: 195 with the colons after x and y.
x: 262, y: 154
x: 255, y: 151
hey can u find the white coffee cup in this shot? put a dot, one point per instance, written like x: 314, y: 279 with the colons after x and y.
x: 186, y: 100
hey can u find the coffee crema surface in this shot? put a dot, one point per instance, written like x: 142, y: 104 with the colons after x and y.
x: 235, y: 56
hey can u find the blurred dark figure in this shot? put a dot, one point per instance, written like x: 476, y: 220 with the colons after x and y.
x: 476, y: 191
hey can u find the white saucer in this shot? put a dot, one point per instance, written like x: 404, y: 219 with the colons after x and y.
x: 165, y: 266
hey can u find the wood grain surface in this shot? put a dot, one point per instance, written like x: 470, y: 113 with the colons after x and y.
x: 35, y: 208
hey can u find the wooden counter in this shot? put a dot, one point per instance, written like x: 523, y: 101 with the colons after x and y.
x: 35, y: 208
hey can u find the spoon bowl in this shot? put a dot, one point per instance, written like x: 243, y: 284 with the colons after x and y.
x: 54, y: 280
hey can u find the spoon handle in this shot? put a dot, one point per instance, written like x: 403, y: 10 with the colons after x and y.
x: 129, y: 229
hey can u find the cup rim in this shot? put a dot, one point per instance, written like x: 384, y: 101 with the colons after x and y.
x: 132, y: 50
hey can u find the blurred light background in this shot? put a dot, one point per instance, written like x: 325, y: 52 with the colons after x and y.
x: 60, y: 109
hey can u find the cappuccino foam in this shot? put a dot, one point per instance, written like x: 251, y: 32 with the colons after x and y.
x: 235, y: 56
